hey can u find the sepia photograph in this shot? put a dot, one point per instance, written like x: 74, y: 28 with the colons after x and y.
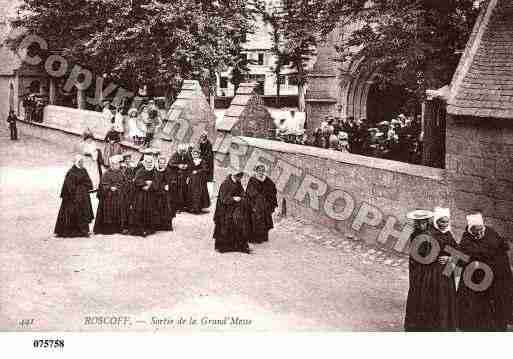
x: 255, y: 166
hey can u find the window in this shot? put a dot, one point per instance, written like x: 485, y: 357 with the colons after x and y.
x: 260, y: 58
x: 224, y: 82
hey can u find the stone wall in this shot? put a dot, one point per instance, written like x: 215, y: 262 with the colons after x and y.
x: 479, y: 161
x: 76, y: 121
x: 345, y: 183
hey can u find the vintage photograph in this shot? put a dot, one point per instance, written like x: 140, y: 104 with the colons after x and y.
x: 246, y: 166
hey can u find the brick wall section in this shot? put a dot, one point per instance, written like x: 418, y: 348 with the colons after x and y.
x: 479, y: 161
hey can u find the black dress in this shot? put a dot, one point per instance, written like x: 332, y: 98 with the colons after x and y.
x: 144, y: 216
x: 490, y: 309
x: 431, y: 303
x: 111, y: 212
x: 179, y: 177
x: 165, y: 208
x: 262, y: 201
x: 76, y: 211
x: 231, y: 220
x: 198, y: 196
x: 207, y: 154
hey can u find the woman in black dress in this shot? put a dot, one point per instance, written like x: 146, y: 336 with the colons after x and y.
x: 485, y: 305
x: 232, y: 224
x: 431, y: 303
x: 198, y: 196
x: 262, y: 201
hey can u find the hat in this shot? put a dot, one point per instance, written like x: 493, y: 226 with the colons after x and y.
x: 238, y: 173
x: 384, y: 123
x: 475, y: 220
x: 127, y: 155
x: 116, y: 159
x: 419, y: 214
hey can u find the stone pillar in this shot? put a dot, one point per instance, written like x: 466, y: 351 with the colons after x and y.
x: 52, y: 92
x: 81, y: 99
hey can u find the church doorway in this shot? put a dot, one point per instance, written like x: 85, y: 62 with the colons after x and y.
x: 385, y: 102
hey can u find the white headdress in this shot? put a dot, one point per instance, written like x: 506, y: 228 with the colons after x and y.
x: 438, y: 213
x: 475, y: 220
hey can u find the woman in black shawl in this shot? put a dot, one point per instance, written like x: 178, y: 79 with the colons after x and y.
x: 431, y: 303
x: 262, y: 201
x: 198, y: 196
x: 111, y: 195
x: 144, y: 217
x: 230, y: 218
x: 179, y: 164
x: 207, y: 154
x: 76, y: 211
x: 488, y: 307
x: 165, y: 208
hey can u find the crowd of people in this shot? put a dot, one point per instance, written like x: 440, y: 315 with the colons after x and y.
x: 34, y: 104
x: 399, y: 139
x: 442, y: 298
x: 137, y: 123
x: 140, y: 196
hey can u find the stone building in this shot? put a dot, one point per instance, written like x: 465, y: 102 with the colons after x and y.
x: 479, y: 145
x: 17, y: 79
x: 258, y: 49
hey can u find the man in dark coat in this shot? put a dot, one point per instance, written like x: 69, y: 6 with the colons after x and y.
x: 164, y: 206
x: 207, y: 155
x: 111, y: 214
x: 11, y: 119
x: 198, y: 196
x: 489, y: 308
x: 180, y: 164
x: 231, y: 220
x: 144, y: 215
x: 76, y: 211
x: 262, y: 202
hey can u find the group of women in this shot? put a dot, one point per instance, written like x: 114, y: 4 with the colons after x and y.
x: 464, y: 285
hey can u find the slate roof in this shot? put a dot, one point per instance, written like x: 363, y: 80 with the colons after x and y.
x: 483, y: 83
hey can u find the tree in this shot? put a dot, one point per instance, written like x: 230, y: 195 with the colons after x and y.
x: 142, y: 42
x: 414, y: 44
x: 298, y: 27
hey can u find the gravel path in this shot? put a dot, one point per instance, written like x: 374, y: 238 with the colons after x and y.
x: 305, y: 278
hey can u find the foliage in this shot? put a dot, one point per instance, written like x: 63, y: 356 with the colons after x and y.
x: 414, y: 44
x: 143, y: 42
x: 298, y: 27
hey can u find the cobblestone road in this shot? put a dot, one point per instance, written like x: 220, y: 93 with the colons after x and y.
x: 305, y: 278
